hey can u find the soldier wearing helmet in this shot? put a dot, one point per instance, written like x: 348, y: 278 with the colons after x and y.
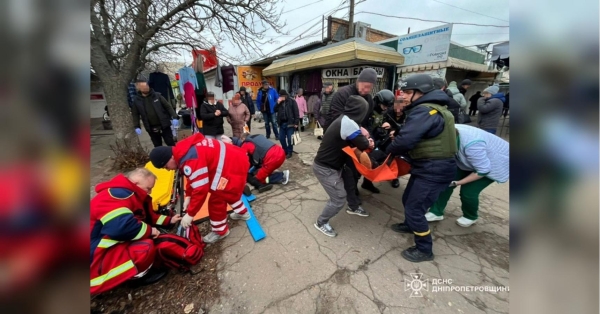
x: 428, y: 139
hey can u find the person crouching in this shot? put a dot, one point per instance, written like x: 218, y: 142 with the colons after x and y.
x: 209, y: 166
x: 265, y: 156
x: 331, y: 158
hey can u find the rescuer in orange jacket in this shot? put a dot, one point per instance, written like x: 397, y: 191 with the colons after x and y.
x: 121, y: 220
x: 210, y: 166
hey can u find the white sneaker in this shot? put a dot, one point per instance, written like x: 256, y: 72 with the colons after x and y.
x: 464, y: 222
x: 286, y: 177
x: 236, y: 216
x: 213, y: 237
x: 433, y: 217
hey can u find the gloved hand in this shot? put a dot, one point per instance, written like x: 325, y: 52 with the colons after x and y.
x: 138, y: 131
x: 175, y: 122
x: 186, y: 221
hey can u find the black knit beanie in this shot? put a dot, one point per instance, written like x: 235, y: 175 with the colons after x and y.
x: 159, y: 156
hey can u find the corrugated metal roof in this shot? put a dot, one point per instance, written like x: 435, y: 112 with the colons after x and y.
x: 353, y: 49
x: 450, y: 63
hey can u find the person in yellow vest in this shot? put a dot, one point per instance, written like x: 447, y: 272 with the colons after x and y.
x: 428, y: 140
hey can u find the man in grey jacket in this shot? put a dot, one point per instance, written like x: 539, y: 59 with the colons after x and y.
x: 490, y: 109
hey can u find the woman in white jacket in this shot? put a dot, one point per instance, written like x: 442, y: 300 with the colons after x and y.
x: 482, y: 159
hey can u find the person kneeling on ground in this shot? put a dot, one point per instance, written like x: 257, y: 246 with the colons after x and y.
x: 482, y: 158
x: 209, y: 166
x: 331, y: 158
x: 121, y: 219
x: 265, y: 156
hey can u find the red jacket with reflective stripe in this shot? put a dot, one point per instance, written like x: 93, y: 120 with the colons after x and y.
x: 121, y: 212
x: 211, y: 166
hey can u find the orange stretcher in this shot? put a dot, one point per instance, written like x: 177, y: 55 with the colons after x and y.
x: 166, y: 195
x: 384, y: 172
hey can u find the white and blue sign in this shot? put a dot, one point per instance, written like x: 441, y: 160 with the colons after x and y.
x: 430, y: 45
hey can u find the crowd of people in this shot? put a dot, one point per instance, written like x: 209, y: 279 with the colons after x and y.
x: 418, y: 124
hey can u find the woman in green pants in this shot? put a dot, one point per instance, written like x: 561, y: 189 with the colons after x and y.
x: 482, y: 159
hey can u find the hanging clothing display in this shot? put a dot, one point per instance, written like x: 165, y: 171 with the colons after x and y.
x: 189, y: 95
x: 314, y: 83
x: 187, y: 74
x: 228, y: 72
x: 161, y: 83
x: 201, y: 82
x: 218, y: 76
x: 295, y: 83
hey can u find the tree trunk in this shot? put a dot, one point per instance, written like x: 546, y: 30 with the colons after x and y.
x: 115, y: 91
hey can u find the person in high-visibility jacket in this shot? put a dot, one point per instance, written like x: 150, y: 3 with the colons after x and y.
x: 121, y: 220
x: 209, y: 166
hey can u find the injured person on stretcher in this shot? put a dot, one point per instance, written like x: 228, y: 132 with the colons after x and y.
x: 211, y: 166
x: 123, y: 226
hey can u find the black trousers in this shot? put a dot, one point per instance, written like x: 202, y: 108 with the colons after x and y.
x: 158, y: 134
x: 418, y: 197
x: 249, y: 123
x: 472, y: 112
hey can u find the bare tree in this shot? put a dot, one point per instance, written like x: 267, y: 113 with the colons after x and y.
x: 126, y: 33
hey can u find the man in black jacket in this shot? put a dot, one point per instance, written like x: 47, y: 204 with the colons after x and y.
x: 363, y: 87
x: 212, y: 117
x: 428, y: 137
x: 330, y: 159
x: 247, y: 100
x: 288, y: 119
x: 453, y: 106
x: 156, y: 113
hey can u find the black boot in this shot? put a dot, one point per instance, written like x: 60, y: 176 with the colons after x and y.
x: 154, y: 275
x: 368, y: 185
x: 413, y: 254
x: 401, y: 227
x: 259, y: 185
x: 395, y: 183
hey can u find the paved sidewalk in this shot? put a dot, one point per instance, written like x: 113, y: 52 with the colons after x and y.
x: 297, y: 269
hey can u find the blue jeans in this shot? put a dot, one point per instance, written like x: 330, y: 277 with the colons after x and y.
x: 493, y: 131
x: 286, y: 137
x: 271, y: 119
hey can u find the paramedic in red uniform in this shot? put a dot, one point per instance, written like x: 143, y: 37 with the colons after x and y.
x: 265, y: 156
x: 210, y: 166
x: 121, y: 219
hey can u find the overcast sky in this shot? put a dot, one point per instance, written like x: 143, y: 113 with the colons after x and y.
x: 300, y: 19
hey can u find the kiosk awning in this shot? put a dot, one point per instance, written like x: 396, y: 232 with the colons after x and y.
x: 349, y: 52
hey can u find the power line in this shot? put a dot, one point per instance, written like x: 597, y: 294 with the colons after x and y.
x: 495, y: 18
x: 423, y: 20
x: 300, y: 7
x: 331, y: 12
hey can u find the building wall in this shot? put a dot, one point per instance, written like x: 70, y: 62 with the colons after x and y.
x: 465, y: 54
x: 96, y: 106
x: 335, y: 24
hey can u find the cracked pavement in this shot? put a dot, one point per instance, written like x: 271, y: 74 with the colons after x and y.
x: 297, y: 269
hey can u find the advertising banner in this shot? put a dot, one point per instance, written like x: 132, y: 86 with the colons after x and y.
x: 349, y: 72
x: 251, y: 78
x: 430, y: 45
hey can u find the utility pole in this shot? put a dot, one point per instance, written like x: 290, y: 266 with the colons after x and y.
x: 351, y: 20
x: 408, y: 30
x: 323, y: 28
